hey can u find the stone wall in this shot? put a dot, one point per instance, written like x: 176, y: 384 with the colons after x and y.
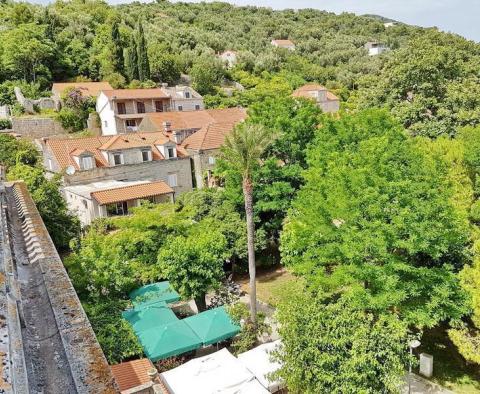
x: 37, y: 127
x: 147, y: 171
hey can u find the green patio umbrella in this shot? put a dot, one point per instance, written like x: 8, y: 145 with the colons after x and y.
x: 153, y: 293
x: 213, y: 326
x: 168, y: 340
x: 150, y: 316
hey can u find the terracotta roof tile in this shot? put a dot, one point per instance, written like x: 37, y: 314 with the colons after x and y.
x: 135, y: 93
x: 125, y: 141
x: 132, y: 373
x: 63, y: 149
x: 211, y: 136
x: 132, y: 192
x: 283, y: 42
x: 191, y: 119
x: 304, y: 91
x: 88, y: 88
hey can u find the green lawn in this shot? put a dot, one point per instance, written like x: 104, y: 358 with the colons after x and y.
x: 449, y: 368
x: 270, y: 283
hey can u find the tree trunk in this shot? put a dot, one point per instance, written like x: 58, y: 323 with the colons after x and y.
x: 201, y: 303
x: 248, y: 195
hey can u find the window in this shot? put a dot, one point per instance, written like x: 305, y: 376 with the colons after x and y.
x: 117, y: 159
x: 117, y: 209
x: 146, y: 155
x: 187, y: 94
x: 121, y: 108
x: 211, y: 160
x: 131, y: 122
x: 158, y: 106
x: 170, y: 153
x: 172, y: 180
x: 197, y: 107
x: 87, y: 163
x: 180, y: 107
x: 105, y: 123
x: 85, y: 204
x: 50, y: 164
x: 140, y: 107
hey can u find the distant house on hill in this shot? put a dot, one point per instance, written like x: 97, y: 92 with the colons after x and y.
x: 122, y: 110
x: 228, y: 57
x: 286, y: 44
x: 325, y: 99
x: 375, y: 48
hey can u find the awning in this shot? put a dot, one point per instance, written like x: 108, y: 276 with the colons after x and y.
x: 213, y: 326
x: 153, y: 293
x: 219, y: 372
x: 259, y: 362
x: 132, y: 192
x: 150, y: 316
x: 168, y: 340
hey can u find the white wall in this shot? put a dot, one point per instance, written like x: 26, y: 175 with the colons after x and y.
x: 106, y: 114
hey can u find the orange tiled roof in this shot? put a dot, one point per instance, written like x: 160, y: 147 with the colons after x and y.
x: 127, y: 94
x: 132, y: 373
x: 78, y: 152
x: 193, y: 119
x: 132, y: 192
x: 304, y: 90
x: 283, y: 42
x: 88, y: 88
x: 63, y: 149
x: 125, y: 141
x: 211, y: 136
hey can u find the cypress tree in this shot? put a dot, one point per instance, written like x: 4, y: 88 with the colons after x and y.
x: 117, y: 48
x: 131, y: 61
x: 142, y: 55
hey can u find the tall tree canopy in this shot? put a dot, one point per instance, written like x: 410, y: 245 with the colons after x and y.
x: 375, y: 220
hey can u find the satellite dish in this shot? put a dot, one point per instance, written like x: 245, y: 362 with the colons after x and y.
x: 70, y: 170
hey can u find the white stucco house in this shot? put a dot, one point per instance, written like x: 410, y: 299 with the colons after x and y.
x: 375, y: 48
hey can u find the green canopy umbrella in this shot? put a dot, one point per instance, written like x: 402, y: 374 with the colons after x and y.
x: 168, y: 340
x: 213, y: 326
x: 153, y: 293
x: 150, y: 316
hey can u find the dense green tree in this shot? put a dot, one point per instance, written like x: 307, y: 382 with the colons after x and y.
x: 142, y: 54
x: 117, y: 48
x: 115, y: 335
x: 193, y: 263
x: 330, y: 347
x: 375, y: 220
x: 242, y: 151
x: 206, y: 73
x: 164, y: 66
x: 13, y: 150
x: 131, y: 60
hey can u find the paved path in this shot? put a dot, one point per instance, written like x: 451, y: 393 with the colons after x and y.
x: 420, y: 385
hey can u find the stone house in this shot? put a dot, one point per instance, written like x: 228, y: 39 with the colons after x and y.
x: 113, y: 198
x: 325, y: 99
x: 121, y: 110
x: 285, y: 44
x: 375, y: 48
x: 229, y: 58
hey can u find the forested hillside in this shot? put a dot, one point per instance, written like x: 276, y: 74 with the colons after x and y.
x: 429, y: 79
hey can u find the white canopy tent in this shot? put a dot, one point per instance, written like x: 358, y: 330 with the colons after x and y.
x: 217, y: 373
x: 259, y: 362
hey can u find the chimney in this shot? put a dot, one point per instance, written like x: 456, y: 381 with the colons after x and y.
x: 152, y: 374
x: 167, y: 126
x: 177, y: 137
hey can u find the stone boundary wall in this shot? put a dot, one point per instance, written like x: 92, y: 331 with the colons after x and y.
x: 37, y: 127
x: 87, y: 363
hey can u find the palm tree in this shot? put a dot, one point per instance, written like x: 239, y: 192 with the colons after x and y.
x: 242, y: 151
